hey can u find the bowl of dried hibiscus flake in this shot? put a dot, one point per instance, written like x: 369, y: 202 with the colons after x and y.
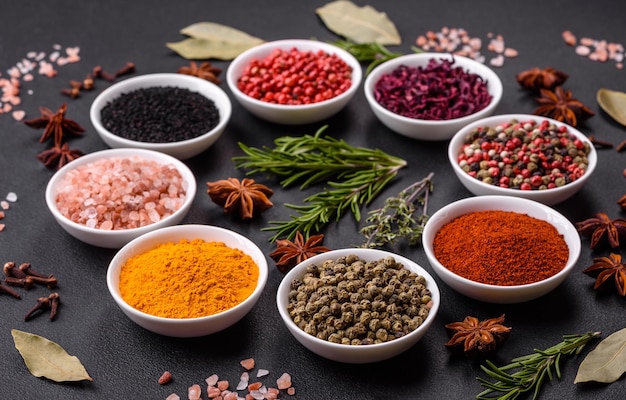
x: 110, y: 197
x: 430, y: 96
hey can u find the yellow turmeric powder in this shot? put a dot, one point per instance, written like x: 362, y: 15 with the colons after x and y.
x: 188, y: 279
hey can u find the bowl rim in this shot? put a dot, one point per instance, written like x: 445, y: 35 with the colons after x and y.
x: 574, y: 247
x: 116, y: 264
x: 223, y: 106
x: 372, y: 254
x: 458, y: 139
x: 250, y: 54
x: 494, y: 85
x: 186, y: 173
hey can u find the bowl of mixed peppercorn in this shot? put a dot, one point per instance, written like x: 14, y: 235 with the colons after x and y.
x: 173, y: 113
x: 501, y: 249
x: 521, y: 155
x: 430, y: 96
x: 358, y: 305
x: 294, y: 81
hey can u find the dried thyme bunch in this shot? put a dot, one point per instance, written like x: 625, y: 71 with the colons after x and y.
x: 354, y: 176
x: 530, y: 370
x: 397, y: 219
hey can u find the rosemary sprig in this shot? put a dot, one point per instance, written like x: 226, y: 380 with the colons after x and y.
x: 396, y: 218
x: 374, y: 53
x: 530, y: 370
x: 354, y: 176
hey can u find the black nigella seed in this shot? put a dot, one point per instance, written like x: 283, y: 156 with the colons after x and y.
x: 160, y: 115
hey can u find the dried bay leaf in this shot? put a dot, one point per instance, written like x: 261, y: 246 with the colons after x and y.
x: 212, y: 40
x: 47, y: 359
x: 607, y: 362
x: 613, y: 103
x: 359, y: 24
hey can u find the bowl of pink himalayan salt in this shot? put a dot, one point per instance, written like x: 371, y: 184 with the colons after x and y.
x: 430, y: 96
x: 110, y: 197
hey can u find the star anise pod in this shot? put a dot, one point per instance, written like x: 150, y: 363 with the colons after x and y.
x: 58, y: 156
x: 600, y: 226
x: 245, y: 197
x: 561, y: 106
x: 536, y: 78
x: 477, y: 337
x: 205, y: 71
x: 622, y: 202
x: 605, y: 269
x: 55, y: 125
x: 288, y: 254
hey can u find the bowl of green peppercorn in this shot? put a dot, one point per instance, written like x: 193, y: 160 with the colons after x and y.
x: 528, y: 156
x: 176, y: 114
x: 358, y: 305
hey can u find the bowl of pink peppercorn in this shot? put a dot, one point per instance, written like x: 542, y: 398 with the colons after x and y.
x: 522, y: 155
x: 110, y: 197
x: 294, y: 81
x: 430, y: 96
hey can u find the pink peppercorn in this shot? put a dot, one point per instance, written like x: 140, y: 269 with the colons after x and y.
x: 293, y: 77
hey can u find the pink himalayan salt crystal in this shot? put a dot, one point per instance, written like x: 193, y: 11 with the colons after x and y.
x: 194, y: 392
x: 284, y: 381
x: 19, y: 115
x: 262, y: 372
x: 120, y: 193
x: 569, y: 38
x: 173, y: 396
x: 212, y: 380
x: 213, y: 392
x: 222, y: 385
x: 248, y: 363
x: 4, y: 205
x: 2, y: 226
x: 243, y: 381
x: 291, y: 391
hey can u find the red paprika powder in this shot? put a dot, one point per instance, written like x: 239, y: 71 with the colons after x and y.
x: 501, y: 248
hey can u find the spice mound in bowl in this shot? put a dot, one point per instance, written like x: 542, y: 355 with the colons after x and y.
x: 358, y: 305
x: 501, y: 249
x: 430, y: 96
x: 176, y: 114
x: 109, y: 197
x: 294, y: 81
x: 187, y: 280
x: 522, y: 155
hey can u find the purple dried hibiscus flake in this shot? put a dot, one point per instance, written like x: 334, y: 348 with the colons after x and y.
x: 437, y: 92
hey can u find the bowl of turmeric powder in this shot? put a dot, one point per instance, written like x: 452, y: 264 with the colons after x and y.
x: 187, y: 280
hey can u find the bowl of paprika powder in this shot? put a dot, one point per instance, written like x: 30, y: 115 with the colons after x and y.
x: 187, y: 280
x: 501, y: 249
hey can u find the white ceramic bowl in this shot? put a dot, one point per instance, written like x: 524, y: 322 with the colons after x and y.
x: 118, y: 238
x: 549, y: 196
x: 494, y: 293
x: 348, y: 353
x: 180, y: 149
x: 292, y: 114
x: 426, y: 129
x: 187, y: 327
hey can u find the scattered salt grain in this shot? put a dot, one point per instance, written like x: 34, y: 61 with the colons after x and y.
x: 19, y: 115
x: 262, y: 372
x: 596, y: 50
x: 194, y: 392
x: 243, y: 381
x: 212, y: 380
x: 458, y: 42
x: 284, y: 381
x: 291, y: 391
x: 4, y: 205
x: 248, y: 363
x: 2, y: 226
x: 222, y: 385
x: 166, y: 377
x: 173, y: 396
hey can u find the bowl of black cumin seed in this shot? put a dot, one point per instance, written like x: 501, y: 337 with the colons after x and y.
x: 176, y: 114
x: 358, y: 306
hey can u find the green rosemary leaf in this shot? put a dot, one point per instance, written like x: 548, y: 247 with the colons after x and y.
x: 353, y: 177
x: 530, y: 370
